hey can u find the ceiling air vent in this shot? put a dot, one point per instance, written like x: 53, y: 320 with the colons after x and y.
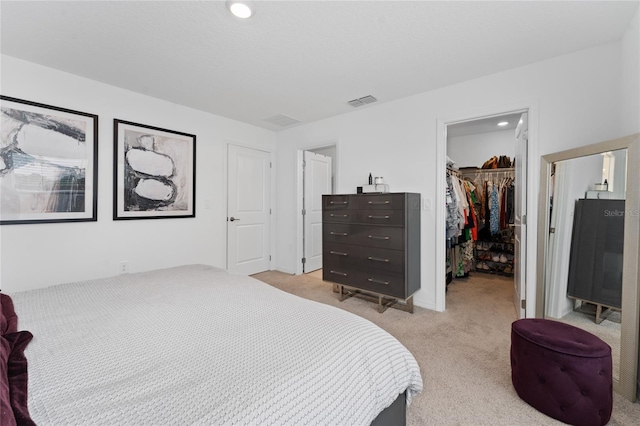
x: 362, y: 101
x: 282, y: 120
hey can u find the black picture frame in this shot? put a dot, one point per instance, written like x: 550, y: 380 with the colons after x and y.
x: 48, y: 163
x: 154, y: 172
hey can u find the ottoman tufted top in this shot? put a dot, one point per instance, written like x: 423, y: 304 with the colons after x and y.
x: 560, y: 337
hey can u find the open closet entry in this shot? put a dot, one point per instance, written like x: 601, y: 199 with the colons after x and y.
x: 484, y: 214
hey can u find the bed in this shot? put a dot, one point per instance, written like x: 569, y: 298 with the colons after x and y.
x: 197, y: 345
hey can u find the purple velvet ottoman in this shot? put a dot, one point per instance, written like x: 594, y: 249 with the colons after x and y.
x: 562, y: 371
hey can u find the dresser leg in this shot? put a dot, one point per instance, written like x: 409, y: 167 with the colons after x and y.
x: 344, y: 294
x: 383, y: 306
x: 384, y: 302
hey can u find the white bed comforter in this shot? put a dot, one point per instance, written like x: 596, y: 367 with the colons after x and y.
x: 196, y: 345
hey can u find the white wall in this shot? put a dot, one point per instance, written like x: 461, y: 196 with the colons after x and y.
x: 630, y: 114
x: 619, y: 188
x: 474, y: 150
x: 578, y: 101
x: 38, y: 255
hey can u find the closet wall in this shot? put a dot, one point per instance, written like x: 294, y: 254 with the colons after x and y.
x: 473, y: 150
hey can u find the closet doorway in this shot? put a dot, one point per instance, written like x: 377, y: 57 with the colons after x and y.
x: 486, y: 203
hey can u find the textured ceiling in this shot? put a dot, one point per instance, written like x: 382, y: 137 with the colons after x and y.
x: 304, y: 59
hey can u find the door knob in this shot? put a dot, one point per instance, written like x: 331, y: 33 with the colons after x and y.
x: 233, y: 218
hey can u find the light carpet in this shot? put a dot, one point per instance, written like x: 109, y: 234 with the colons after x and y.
x: 607, y: 330
x: 463, y: 352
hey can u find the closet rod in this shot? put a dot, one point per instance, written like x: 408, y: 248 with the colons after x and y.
x: 490, y: 173
x: 454, y: 172
x: 475, y: 171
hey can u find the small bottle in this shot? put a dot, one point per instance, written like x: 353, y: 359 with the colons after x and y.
x: 370, y: 179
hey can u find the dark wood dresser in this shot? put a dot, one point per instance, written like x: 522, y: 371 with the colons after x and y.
x: 371, y: 246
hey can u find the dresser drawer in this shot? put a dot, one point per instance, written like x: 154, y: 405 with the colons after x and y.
x: 381, y: 201
x: 381, y: 217
x: 387, y: 283
x: 340, y: 216
x: 344, y: 255
x: 364, y: 202
x: 374, y: 217
x: 364, y: 235
x: 338, y: 202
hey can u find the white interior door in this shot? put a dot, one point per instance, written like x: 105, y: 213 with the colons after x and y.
x: 317, y: 181
x: 248, y: 210
x: 520, y: 209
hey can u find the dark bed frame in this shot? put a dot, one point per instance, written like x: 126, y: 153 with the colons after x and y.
x: 393, y: 415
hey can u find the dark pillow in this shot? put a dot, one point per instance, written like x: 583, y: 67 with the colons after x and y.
x: 17, y: 377
x: 8, y: 317
x: 6, y: 412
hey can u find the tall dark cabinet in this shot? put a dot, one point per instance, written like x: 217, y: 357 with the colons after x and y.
x: 371, y: 246
x: 595, y: 266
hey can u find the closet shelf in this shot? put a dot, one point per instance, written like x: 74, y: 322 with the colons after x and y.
x: 494, y: 272
x: 496, y: 257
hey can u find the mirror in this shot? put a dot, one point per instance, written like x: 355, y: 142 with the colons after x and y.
x: 604, y: 303
x: 583, y: 272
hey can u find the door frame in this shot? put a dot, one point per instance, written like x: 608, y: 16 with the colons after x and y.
x: 272, y: 195
x: 530, y: 106
x: 300, y: 192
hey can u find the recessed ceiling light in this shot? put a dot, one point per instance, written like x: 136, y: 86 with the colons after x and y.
x: 240, y: 9
x: 503, y: 123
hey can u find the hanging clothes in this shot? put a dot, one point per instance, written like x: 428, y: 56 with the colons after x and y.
x: 462, y: 203
x: 480, y: 215
x: 453, y: 217
x: 494, y: 209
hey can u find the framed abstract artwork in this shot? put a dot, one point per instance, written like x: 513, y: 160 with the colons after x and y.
x: 154, y: 172
x: 48, y: 163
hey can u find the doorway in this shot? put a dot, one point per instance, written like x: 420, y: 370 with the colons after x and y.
x: 485, y: 186
x: 316, y: 177
x: 524, y: 155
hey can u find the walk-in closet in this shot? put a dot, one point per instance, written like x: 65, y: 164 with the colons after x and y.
x: 480, y: 204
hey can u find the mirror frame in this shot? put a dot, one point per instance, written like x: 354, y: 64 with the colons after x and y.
x: 627, y: 382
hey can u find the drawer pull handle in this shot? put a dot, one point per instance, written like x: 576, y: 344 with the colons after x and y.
x: 379, y: 237
x: 339, y: 273
x: 339, y: 215
x: 342, y: 234
x: 378, y: 259
x: 378, y: 217
x: 338, y: 202
x: 339, y: 253
x: 373, y: 280
x: 380, y: 202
